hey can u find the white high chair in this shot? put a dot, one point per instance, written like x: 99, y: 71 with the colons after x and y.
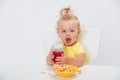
x: 89, y: 38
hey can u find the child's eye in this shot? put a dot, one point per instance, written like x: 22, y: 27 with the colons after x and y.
x: 63, y: 31
x: 72, y: 30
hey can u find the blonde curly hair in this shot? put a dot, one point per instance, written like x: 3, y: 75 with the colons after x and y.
x: 66, y: 14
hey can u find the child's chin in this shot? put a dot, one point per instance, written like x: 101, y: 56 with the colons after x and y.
x: 70, y: 44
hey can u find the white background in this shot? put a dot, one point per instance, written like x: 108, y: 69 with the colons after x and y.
x: 22, y: 21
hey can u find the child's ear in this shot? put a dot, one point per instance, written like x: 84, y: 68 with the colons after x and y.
x: 57, y: 32
x: 79, y: 31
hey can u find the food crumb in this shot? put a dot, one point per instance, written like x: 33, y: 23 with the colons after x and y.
x: 79, y: 71
x: 42, y: 72
x: 49, y: 74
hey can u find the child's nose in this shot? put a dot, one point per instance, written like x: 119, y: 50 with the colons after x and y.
x: 67, y: 33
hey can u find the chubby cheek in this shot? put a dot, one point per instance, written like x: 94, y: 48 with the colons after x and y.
x: 62, y: 37
x: 75, y: 36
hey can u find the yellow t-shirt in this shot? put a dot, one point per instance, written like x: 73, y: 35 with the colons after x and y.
x: 73, y: 51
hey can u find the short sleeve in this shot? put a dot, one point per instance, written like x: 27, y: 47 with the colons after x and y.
x: 80, y: 50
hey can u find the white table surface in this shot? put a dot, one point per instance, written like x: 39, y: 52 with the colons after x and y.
x: 44, y: 72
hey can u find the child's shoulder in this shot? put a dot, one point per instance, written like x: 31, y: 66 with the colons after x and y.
x: 78, y: 43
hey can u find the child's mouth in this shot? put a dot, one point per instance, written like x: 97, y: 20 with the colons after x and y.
x: 68, y: 40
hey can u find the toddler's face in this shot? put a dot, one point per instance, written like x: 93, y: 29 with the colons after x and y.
x: 68, y: 32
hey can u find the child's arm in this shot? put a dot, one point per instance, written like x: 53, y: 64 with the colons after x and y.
x: 77, y: 61
x: 49, y: 58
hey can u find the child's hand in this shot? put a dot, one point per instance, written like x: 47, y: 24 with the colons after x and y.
x: 61, y: 60
x: 49, y: 58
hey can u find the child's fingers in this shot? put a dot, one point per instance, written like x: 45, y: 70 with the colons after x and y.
x: 59, y: 62
x: 60, y: 59
x: 62, y: 54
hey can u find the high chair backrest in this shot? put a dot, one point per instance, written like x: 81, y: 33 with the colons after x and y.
x: 89, y: 38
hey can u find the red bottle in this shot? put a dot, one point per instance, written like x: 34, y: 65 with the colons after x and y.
x: 57, y: 51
